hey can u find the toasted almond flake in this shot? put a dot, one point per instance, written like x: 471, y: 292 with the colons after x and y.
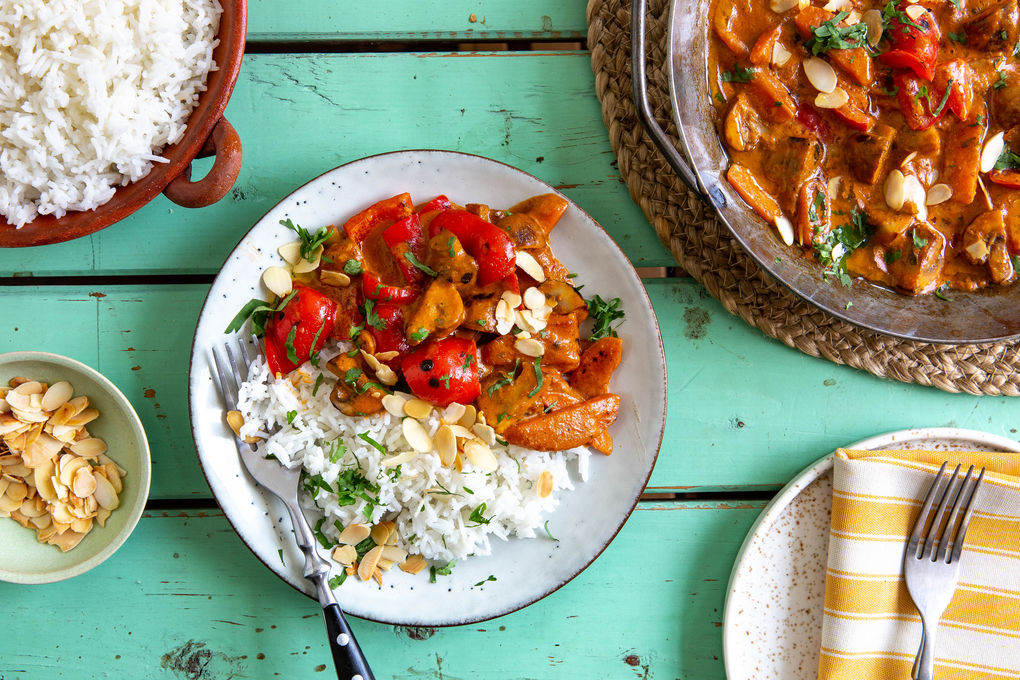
x: 453, y: 413
x: 32, y: 416
x: 398, y: 459
x: 545, y: 484
x: 33, y: 508
x: 277, y: 280
x: 984, y: 190
x: 915, y: 12
x: 304, y: 266
x: 354, y: 534
x: 84, y: 482
x: 470, y: 415
x: 530, y: 266
x: 42, y: 521
x: 8, y: 504
x: 485, y: 433
x: 534, y: 298
x: 414, y: 564
x: 4, y: 483
x: 105, y: 494
x: 386, y: 356
x: 461, y: 432
x: 394, y: 554
x: 530, y: 347
x: 386, y: 375
x: 512, y: 299
x: 416, y: 435
x: 895, y: 190
x: 418, y: 408
x: 369, y: 563
x: 28, y: 387
x: 940, y: 193
x: 334, y: 278
x: 834, y: 5
x: 57, y: 395
x: 66, y: 540
x: 290, y: 252
x: 780, y: 55
x: 91, y: 447
x: 394, y: 404
x: 383, y: 532
x: 780, y: 6
x: 345, y: 554
x: 446, y: 444
x: 234, y: 419
x: 873, y: 20
x: 83, y: 418
x: 480, y: 455
x: 81, y: 525
x: 989, y: 156
x: 832, y: 100
x: 820, y: 74
x: 978, y: 251
x: 61, y: 513
x: 67, y: 466
x: 785, y: 229
x: 915, y: 196
x: 910, y: 156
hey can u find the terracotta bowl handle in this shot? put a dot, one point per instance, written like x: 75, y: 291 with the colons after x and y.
x: 225, y: 144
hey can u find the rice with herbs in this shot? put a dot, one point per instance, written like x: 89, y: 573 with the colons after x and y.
x: 441, y: 513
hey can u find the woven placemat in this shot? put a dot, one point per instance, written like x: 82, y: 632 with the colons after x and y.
x: 704, y: 248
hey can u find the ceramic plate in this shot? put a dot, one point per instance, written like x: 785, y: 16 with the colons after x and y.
x: 772, y: 623
x: 23, y: 559
x: 587, y: 519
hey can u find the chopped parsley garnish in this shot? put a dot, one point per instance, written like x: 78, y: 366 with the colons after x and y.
x: 280, y: 553
x: 507, y: 378
x: 421, y: 266
x: 352, y: 375
x: 394, y: 473
x: 445, y: 379
x: 259, y: 312
x: 1001, y: 82
x: 604, y: 314
x: 480, y: 322
x: 291, y: 415
x: 372, y: 318
x: 918, y: 241
x: 960, y: 37
x: 478, y: 515
x: 840, y: 242
x: 941, y: 294
x: 338, y: 580
x: 337, y: 452
x: 444, y: 570
x: 889, y: 13
x: 319, y: 379
x: 538, y: 377
x: 468, y: 360
x: 738, y: 75
x: 491, y: 578
x: 831, y: 36
x: 289, y: 345
x: 420, y: 334
x: 892, y: 255
x: 945, y: 98
x: 321, y: 537
x: 309, y: 242
x: 376, y: 445
x: 1007, y: 160
x: 449, y: 246
x: 314, y: 356
x: 352, y: 267
x: 548, y: 533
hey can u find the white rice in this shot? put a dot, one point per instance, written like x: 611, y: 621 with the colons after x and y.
x: 91, y: 91
x: 430, y: 503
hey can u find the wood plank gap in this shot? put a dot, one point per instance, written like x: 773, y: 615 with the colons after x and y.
x: 711, y: 496
x: 27, y: 279
x: 334, y: 46
x: 168, y: 504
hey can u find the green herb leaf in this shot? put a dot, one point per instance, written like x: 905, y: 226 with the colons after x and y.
x: 738, y: 75
x: 918, y: 241
x: 940, y: 293
x: 892, y: 255
x: 352, y: 267
x: 830, y: 36
x: 338, y: 580
x: 449, y: 246
x: 604, y: 314
x: 960, y: 37
x: 420, y: 334
x: 376, y: 445
x: 289, y: 345
x: 478, y: 516
x: 548, y: 533
x: 409, y: 256
x: 372, y: 318
x: 468, y: 360
x: 319, y: 379
x: 505, y: 380
x: 1001, y: 82
x: 352, y: 375
x: 538, y: 377
x: 291, y: 415
x: 833, y: 250
x: 314, y: 356
x: 491, y: 578
x: 309, y: 242
x: 321, y: 537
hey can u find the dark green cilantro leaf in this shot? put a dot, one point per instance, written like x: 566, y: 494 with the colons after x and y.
x: 738, y: 75
x: 491, y: 578
x: 918, y: 241
x: 833, y: 250
x: 421, y: 266
x: 289, y: 345
x: 420, y: 334
x: 372, y: 318
x: 319, y: 379
x: 830, y: 36
x: 309, y: 242
x: 291, y: 415
x: 352, y: 267
x: 478, y: 515
x: 538, y: 377
x: 338, y: 580
x: 548, y: 533
x: 376, y: 445
x: 604, y: 313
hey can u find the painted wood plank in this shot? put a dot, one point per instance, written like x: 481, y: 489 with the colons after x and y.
x: 407, y: 20
x: 301, y: 115
x: 185, y: 599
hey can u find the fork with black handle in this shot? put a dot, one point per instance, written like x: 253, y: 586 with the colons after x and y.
x: 931, y: 569
x: 283, y: 482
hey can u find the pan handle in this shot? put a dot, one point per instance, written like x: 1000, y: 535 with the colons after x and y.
x: 639, y: 78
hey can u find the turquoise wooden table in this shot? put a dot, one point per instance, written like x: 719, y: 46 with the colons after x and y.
x: 323, y: 84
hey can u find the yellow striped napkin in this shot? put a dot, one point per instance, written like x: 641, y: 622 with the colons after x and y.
x: 871, y: 628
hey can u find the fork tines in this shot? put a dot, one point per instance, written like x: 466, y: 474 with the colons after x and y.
x: 953, y: 494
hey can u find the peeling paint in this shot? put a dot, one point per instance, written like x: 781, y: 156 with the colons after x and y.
x: 696, y: 320
x: 415, y: 632
x: 97, y: 294
x: 194, y: 661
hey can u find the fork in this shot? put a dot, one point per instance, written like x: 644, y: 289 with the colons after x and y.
x: 348, y: 659
x: 931, y: 569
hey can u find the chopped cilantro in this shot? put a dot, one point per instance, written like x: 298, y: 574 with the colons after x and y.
x: 309, y: 242
x: 940, y: 293
x: 1001, y: 82
x: 289, y: 345
x: 491, y: 578
x: 319, y: 379
x: 337, y: 451
x: 338, y: 580
x: 376, y: 445
x: 604, y: 314
x: 738, y: 75
x: 280, y: 553
x: 314, y: 356
x: 918, y: 241
x: 372, y: 318
x: 352, y: 375
x: 1007, y: 160
x: 840, y: 242
x: 830, y: 36
x: 291, y: 415
x: 468, y: 360
x: 352, y: 267
x: 548, y: 533
x: 960, y: 37
x: 538, y: 377
x: 321, y: 537
x: 449, y: 246
x: 259, y: 312
x: 478, y: 516
x: 421, y: 266
x: 892, y: 255
x: 420, y: 334
x: 507, y: 378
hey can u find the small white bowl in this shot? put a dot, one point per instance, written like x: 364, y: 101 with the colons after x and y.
x: 23, y: 559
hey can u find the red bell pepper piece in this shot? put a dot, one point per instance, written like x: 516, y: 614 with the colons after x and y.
x: 956, y: 78
x: 914, y: 44
x: 916, y: 103
x: 443, y: 371
x: 1007, y: 178
x: 299, y: 330
x: 488, y: 244
x: 813, y: 121
x: 405, y: 236
x: 854, y: 117
x: 390, y: 338
x: 387, y: 210
x: 375, y: 289
x: 440, y: 202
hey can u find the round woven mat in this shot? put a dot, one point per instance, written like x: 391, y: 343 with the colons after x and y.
x: 704, y: 248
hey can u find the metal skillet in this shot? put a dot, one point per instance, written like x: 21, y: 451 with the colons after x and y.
x: 701, y: 162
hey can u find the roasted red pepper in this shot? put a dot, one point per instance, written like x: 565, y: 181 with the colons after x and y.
x: 954, y: 89
x: 443, y: 371
x: 915, y: 101
x: 914, y: 44
x: 299, y: 331
x: 488, y: 244
x: 405, y: 236
x: 1007, y: 178
x: 388, y: 210
x: 440, y: 202
x: 375, y: 289
x: 813, y: 121
x: 854, y: 117
x: 390, y: 338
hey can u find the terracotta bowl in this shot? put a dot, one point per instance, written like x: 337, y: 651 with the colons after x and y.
x: 208, y: 134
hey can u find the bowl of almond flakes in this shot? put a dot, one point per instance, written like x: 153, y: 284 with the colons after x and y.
x: 74, y: 468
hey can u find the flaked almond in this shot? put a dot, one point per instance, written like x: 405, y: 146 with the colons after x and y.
x: 57, y: 395
x: 414, y: 564
x: 416, y: 435
x: 984, y: 191
x: 485, y: 433
x: 780, y: 55
x: 780, y: 6
x: 234, y: 419
x: 8, y: 504
x: 387, y: 356
x: 939, y: 193
x: 354, y: 534
x: 385, y: 533
x: 534, y: 299
x: 369, y: 563
x: 91, y: 447
x: 83, y: 418
x: 105, y: 494
x: 345, y: 554
x: 530, y: 266
x: 480, y: 455
x: 978, y: 251
x: 915, y: 12
x: 504, y: 317
x: 334, y: 278
x: 290, y: 252
x: 102, y: 514
x: 785, y: 229
x: 304, y: 266
x: 545, y: 484
x: 873, y: 20
x: 394, y: 553
x: 512, y: 299
x: 418, y: 408
x: 915, y: 197
x: 834, y: 5
x: 394, y: 404
x: 469, y: 417
x: 84, y: 482
x: 832, y: 100
x: 894, y: 190
x: 453, y: 413
x: 398, y: 459
x: 906, y: 161
x: 820, y: 74
x: 529, y: 347
x: 989, y: 156
x: 446, y: 444
x: 277, y: 280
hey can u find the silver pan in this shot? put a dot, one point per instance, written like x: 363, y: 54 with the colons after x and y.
x: 984, y: 316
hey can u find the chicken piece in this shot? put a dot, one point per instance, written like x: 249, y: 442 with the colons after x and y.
x: 480, y: 209
x: 559, y: 337
x: 447, y: 256
x: 546, y: 209
x: 556, y: 392
x: 984, y: 242
x: 598, y: 362
x: 961, y: 161
x: 566, y: 428
x: 1006, y: 103
x: 524, y: 229
x: 355, y: 394
x: 791, y: 164
x: 566, y: 296
x: 508, y: 395
x: 994, y: 28
x: 919, y: 266
x: 868, y: 152
x: 339, y: 250
x: 742, y: 128
x: 552, y: 267
x: 439, y: 311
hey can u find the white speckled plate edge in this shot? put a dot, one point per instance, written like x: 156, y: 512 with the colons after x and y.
x: 773, y: 614
x: 587, y: 519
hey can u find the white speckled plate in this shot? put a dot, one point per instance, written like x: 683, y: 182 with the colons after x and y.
x: 772, y: 622
x: 587, y: 519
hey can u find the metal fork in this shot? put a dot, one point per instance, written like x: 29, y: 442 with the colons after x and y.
x: 931, y: 569
x: 348, y: 659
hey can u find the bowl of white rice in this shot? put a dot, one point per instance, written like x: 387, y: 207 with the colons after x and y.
x: 103, y: 105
